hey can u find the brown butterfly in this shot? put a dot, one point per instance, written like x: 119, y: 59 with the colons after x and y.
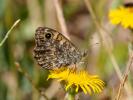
x: 53, y: 50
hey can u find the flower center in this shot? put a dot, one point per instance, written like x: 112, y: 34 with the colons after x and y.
x: 131, y: 9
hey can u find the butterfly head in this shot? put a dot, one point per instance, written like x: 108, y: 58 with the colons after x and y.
x: 44, y: 36
x: 45, y: 33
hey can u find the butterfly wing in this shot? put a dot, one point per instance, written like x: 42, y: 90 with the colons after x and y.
x: 53, y: 50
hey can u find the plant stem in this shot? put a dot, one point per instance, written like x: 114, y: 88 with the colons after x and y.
x: 9, y: 31
x: 25, y: 73
x: 71, y: 96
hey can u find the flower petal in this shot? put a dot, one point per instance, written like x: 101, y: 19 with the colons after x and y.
x: 122, y: 16
x: 80, y: 79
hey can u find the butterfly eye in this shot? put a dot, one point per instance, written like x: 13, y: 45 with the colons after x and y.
x: 48, y: 35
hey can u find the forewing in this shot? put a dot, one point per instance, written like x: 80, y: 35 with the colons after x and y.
x: 66, y: 52
x: 55, y: 52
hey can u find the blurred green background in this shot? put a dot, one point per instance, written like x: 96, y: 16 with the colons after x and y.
x: 14, y: 85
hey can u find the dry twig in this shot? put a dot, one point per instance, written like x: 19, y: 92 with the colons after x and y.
x: 128, y: 67
x: 61, y: 18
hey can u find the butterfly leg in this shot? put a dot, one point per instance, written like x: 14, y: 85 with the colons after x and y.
x: 73, y: 68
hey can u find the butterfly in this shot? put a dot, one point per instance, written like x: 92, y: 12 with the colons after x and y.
x: 53, y: 50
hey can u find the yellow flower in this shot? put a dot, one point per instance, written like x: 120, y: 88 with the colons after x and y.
x: 123, y: 16
x: 80, y: 79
